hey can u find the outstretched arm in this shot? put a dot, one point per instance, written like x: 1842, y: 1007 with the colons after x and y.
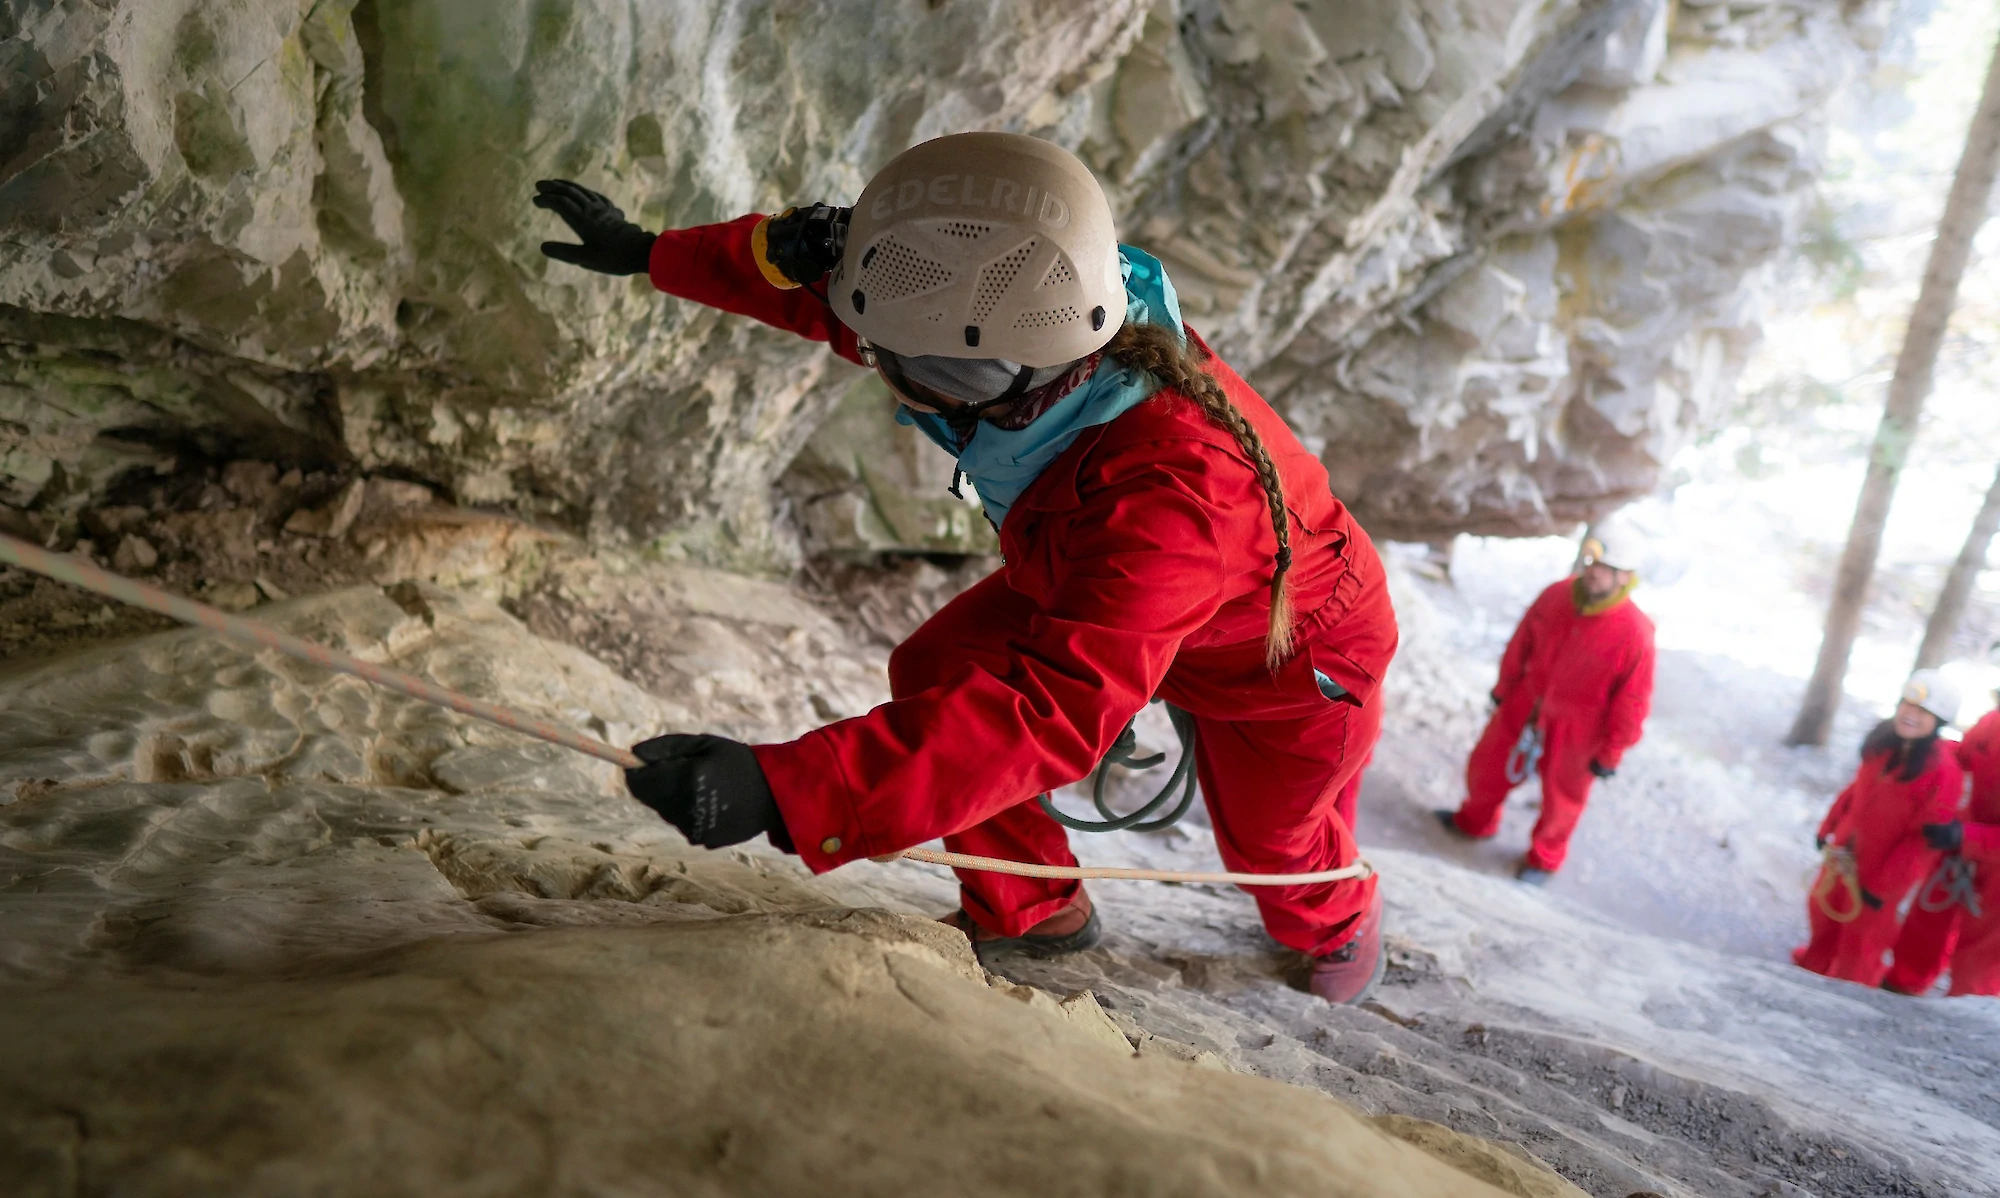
x: 715, y: 265
x: 735, y: 266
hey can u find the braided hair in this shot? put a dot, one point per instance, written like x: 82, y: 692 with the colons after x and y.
x: 1158, y: 352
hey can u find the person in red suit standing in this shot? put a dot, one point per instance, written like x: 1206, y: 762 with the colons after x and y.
x: 1955, y: 919
x: 1576, y: 684
x: 1873, y: 838
x: 1163, y: 534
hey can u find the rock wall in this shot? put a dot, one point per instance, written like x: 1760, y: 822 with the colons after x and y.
x: 1492, y: 254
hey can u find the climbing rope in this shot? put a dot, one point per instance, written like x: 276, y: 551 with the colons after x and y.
x: 1956, y: 880
x: 88, y: 575
x: 1837, y: 871
x: 1125, y: 752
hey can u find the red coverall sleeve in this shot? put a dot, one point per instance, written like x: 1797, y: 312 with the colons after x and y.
x: 1520, y: 650
x: 1829, y: 828
x: 1982, y: 842
x: 712, y: 265
x: 1140, y: 571
x: 1631, y: 701
x: 1976, y: 752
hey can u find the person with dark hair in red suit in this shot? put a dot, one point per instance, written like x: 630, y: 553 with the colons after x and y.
x: 1576, y: 684
x: 1955, y: 918
x: 1873, y: 837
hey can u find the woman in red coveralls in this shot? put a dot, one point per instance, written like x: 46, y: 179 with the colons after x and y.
x: 1956, y: 917
x: 1163, y: 532
x: 1873, y: 837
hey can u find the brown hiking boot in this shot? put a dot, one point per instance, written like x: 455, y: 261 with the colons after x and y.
x: 1070, y: 930
x: 1350, y: 973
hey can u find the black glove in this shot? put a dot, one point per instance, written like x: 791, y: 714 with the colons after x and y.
x: 709, y: 787
x: 1874, y: 903
x: 611, y: 245
x: 1600, y: 769
x: 1945, y: 838
x: 804, y: 243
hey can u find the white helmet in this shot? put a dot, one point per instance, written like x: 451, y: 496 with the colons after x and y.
x: 1614, y: 542
x: 1640, y: 538
x: 982, y: 245
x: 1935, y: 693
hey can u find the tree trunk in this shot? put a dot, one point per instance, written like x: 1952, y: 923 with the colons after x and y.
x: 1964, y: 212
x: 1957, y: 592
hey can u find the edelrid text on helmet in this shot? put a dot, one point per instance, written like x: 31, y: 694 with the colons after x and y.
x: 982, y: 245
x: 974, y: 191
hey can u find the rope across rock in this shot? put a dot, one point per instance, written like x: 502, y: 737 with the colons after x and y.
x: 80, y: 572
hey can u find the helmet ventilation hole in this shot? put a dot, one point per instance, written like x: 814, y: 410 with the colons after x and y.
x: 1097, y: 319
x: 964, y: 229
x: 860, y: 301
x: 972, y: 336
x: 997, y: 276
x: 892, y: 271
x: 1047, y: 318
x: 1059, y: 273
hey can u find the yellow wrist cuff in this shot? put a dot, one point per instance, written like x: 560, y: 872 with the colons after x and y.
x: 760, y: 250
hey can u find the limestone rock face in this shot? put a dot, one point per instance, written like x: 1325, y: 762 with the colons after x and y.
x: 1493, y: 255
x: 279, y: 934
x: 301, y: 229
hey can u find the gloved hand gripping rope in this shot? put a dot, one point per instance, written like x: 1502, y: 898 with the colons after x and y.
x: 671, y: 773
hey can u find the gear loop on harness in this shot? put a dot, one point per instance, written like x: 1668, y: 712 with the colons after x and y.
x: 1837, y: 871
x: 1957, y: 879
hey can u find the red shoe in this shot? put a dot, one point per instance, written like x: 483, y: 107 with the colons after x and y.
x: 1070, y: 930
x: 1350, y: 973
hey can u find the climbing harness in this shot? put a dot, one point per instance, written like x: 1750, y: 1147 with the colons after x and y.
x: 92, y: 577
x: 1954, y: 883
x: 1526, y: 755
x: 1125, y: 752
x: 1837, y: 871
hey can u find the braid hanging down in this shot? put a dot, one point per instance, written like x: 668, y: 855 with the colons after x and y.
x: 1159, y: 353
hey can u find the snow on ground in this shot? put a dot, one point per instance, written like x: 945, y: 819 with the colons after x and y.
x: 1705, y: 835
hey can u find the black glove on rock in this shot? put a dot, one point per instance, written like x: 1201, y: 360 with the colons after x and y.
x: 709, y: 787
x: 611, y: 245
x: 1600, y: 769
x: 802, y: 244
x: 1945, y: 838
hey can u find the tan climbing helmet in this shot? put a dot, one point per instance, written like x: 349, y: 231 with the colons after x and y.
x: 982, y: 245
